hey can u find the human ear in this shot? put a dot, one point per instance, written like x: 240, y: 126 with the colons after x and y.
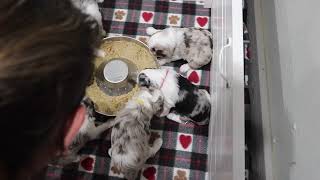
x: 74, y: 125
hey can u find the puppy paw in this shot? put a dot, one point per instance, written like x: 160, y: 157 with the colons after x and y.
x: 109, y: 152
x: 151, y: 30
x: 103, y: 33
x: 165, y: 112
x: 99, y: 53
x: 156, y: 146
x: 158, y: 142
x: 163, y: 61
x: 174, y: 117
x: 184, y: 70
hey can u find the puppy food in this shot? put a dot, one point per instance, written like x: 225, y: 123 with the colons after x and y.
x: 119, y: 47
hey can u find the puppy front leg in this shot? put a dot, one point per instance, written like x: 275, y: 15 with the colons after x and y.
x: 163, y: 61
x: 95, y: 132
x: 166, y: 111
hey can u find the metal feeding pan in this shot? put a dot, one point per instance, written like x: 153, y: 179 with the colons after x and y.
x: 114, y: 77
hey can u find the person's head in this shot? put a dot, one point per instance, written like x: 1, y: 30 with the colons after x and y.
x: 46, y: 53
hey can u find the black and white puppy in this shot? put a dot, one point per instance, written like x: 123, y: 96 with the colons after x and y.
x: 181, y: 97
x: 191, y: 44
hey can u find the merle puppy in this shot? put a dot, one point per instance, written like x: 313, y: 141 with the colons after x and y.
x: 181, y: 98
x: 131, y: 132
x: 191, y: 44
x: 87, y: 132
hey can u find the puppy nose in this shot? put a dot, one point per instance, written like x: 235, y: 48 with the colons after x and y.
x: 143, y: 80
x: 159, y: 52
x: 142, y: 77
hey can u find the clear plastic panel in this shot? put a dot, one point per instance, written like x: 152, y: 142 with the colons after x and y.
x: 221, y: 134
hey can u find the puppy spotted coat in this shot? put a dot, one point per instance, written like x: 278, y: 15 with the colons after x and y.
x: 191, y: 44
x: 181, y: 98
x: 130, y: 135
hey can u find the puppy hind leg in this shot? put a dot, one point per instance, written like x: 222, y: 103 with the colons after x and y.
x: 183, y: 70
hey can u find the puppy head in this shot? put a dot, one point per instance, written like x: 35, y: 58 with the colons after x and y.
x: 161, y: 43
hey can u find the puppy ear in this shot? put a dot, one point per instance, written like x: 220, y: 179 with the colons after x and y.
x: 151, y: 31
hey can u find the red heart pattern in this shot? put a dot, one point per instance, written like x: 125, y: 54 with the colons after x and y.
x: 194, y: 77
x: 147, y: 16
x: 87, y: 163
x: 202, y: 21
x: 150, y: 173
x: 185, y: 140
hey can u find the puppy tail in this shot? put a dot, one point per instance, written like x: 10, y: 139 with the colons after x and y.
x: 151, y: 31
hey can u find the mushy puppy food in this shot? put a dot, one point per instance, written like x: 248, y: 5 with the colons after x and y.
x: 119, y: 48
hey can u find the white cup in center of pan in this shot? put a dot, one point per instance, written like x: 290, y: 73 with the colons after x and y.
x: 116, y: 77
x: 116, y: 71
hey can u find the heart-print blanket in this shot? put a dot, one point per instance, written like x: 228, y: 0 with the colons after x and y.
x: 184, y: 151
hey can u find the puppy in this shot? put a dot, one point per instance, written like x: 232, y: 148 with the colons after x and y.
x: 91, y: 8
x: 87, y: 132
x: 131, y: 133
x: 191, y: 44
x: 181, y: 98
